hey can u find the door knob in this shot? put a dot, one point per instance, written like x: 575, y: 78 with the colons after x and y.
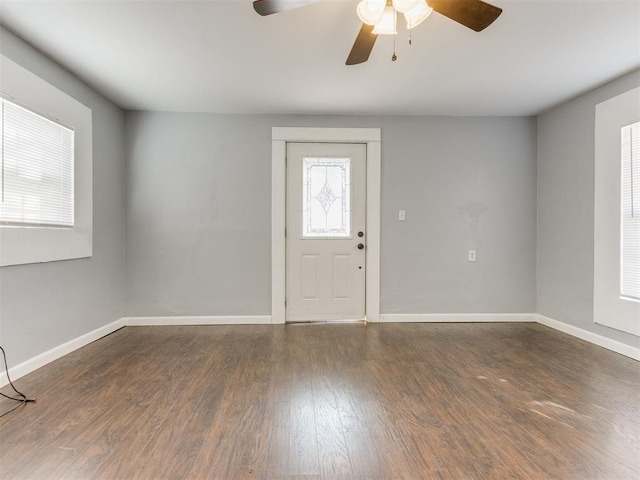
x: 360, y: 246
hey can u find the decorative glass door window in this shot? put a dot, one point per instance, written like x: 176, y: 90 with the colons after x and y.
x: 326, y: 197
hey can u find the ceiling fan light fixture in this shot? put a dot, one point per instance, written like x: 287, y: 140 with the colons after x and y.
x: 403, y: 6
x: 370, y: 11
x: 418, y: 14
x: 387, y: 24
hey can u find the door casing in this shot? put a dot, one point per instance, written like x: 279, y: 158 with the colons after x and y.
x: 280, y: 136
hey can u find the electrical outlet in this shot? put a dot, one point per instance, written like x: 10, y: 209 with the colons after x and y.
x: 472, y: 255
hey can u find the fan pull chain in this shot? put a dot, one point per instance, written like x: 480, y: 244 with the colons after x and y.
x: 410, y: 30
x: 394, y: 57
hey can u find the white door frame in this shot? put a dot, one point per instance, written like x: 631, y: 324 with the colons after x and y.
x: 279, y: 138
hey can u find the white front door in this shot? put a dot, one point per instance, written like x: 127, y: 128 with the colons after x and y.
x: 326, y: 231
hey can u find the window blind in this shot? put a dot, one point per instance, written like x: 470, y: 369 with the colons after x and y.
x: 36, y: 184
x: 630, y: 206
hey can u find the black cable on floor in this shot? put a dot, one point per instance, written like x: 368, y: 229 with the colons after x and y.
x: 24, y: 400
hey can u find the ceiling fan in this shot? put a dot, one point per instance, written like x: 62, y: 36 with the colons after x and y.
x: 379, y: 17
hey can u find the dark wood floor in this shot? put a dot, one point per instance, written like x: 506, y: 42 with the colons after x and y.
x: 413, y: 401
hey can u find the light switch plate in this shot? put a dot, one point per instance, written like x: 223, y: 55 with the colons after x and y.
x: 401, y: 215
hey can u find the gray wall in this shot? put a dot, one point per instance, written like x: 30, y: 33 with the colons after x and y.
x: 196, y: 192
x: 198, y: 213
x: 566, y: 162
x: 45, y: 305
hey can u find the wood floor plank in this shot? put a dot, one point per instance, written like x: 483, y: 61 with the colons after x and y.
x: 163, y: 425
x: 146, y: 411
x: 327, y: 401
x: 333, y: 456
x: 303, y: 436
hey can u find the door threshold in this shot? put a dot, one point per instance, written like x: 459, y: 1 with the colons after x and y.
x: 315, y: 322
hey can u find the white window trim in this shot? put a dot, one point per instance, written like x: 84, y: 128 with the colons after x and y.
x: 23, y: 245
x: 280, y: 136
x: 609, y: 308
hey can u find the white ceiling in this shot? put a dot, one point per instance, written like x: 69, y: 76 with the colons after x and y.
x: 220, y: 56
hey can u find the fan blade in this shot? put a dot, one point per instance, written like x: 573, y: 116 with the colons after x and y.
x: 475, y: 14
x: 267, y: 7
x: 362, y: 46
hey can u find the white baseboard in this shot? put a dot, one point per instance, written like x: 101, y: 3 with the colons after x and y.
x: 621, y: 348
x: 204, y: 320
x: 456, y: 317
x: 38, y: 361
x: 49, y: 356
